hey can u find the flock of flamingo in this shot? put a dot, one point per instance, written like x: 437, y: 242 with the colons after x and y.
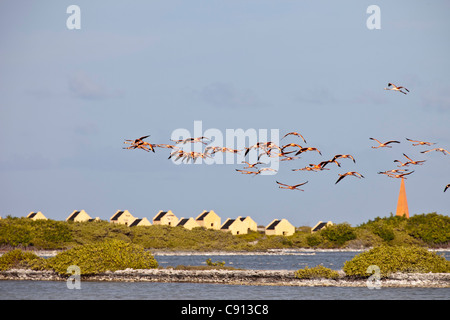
x: 284, y: 153
x: 401, y: 173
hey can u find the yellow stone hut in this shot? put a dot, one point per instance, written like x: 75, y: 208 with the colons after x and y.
x: 140, y: 222
x: 122, y: 217
x: 36, y: 216
x: 235, y: 226
x: 165, y: 218
x: 280, y: 227
x: 208, y: 220
x: 188, y: 223
x: 79, y: 216
x: 249, y: 222
x: 320, y: 225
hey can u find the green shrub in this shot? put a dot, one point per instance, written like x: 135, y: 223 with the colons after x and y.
x: 215, y: 264
x: 299, y: 238
x: 179, y: 238
x: 317, y: 272
x: 42, y: 234
x: 393, y: 221
x: 314, y: 240
x: 390, y: 230
x: 365, y: 238
x: 401, y: 238
x: 89, y: 232
x: 18, y: 259
x: 391, y: 259
x: 109, y: 255
x: 251, y: 236
x: 432, y: 228
x: 50, y: 234
x: 384, y: 232
x: 14, y: 235
x: 338, y: 233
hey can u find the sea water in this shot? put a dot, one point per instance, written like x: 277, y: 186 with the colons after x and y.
x: 94, y: 290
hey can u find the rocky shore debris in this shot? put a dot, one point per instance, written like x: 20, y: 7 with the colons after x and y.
x: 235, y: 277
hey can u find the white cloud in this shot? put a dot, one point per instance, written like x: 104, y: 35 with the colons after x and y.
x: 84, y: 86
x: 371, y: 97
x: 319, y: 95
x: 225, y: 95
x: 26, y: 162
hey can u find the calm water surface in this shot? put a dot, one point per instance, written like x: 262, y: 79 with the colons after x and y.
x: 294, y: 261
x: 90, y: 290
x: 331, y: 259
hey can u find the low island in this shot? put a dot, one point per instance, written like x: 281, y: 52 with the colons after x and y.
x: 117, y: 260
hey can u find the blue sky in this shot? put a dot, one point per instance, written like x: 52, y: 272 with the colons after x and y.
x: 69, y: 98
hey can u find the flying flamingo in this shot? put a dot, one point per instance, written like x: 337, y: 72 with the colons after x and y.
x: 339, y: 156
x: 350, y: 173
x: 247, y: 171
x: 324, y: 163
x: 191, y: 140
x: 385, y: 144
x: 139, y: 143
x: 252, y: 165
x: 319, y: 166
x: 268, y: 153
x: 414, y: 162
x: 294, y: 187
x: 255, y: 146
x: 393, y: 87
x: 295, y: 134
x: 393, y: 171
x: 289, y: 158
x: 194, y: 156
x: 402, y: 164
x: 221, y: 149
x: 169, y: 146
x: 291, y: 145
x: 179, y: 154
x: 420, y: 143
x: 266, y: 169
x: 402, y: 175
x: 437, y: 149
x: 307, y: 149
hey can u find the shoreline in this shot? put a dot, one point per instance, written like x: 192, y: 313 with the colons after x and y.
x: 163, y: 252
x: 300, y: 251
x: 236, y: 277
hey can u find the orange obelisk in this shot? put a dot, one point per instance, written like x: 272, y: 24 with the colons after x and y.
x: 402, y: 203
